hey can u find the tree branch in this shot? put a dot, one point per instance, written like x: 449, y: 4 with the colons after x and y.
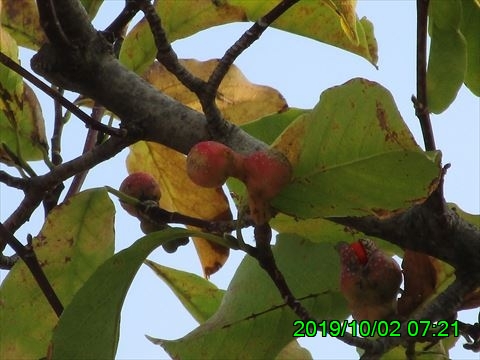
x: 420, y: 102
x: 430, y: 228
x: 165, y: 53
x: 91, y: 69
x: 5, y: 60
x: 40, y: 184
x: 30, y: 259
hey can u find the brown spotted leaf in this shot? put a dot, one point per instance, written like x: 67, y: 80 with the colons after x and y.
x: 76, y: 238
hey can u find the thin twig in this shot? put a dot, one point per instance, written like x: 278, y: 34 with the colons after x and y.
x: 17, y: 183
x: 115, y: 30
x: 420, y: 102
x: 216, y: 123
x: 28, y: 256
x: 165, y: 53
x: 89, y: 122
x: 59, y: 122
x: 155, y: 214
x: 247, y: 39
x: 90, y: 141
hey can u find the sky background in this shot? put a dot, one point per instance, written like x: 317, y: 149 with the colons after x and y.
x: 300, y: 69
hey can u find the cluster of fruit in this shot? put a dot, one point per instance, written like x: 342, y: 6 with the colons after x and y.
x: 264, y: 173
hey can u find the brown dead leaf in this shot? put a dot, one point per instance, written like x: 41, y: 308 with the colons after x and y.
x: 180, y: 194
x: 420, y: 280
x: 238, y: 99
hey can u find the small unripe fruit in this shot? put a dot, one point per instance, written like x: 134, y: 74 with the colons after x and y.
x: 210, y: 163
x: 370, y: 280
x: 266, y: 174
x: 141, y: 186
x: 171, y: 246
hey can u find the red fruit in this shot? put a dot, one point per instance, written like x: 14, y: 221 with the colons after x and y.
x: 359, y: 252
x: 266, y: 174
x: 210, y: 163
x: 141, y: 186
x: 370, y: 280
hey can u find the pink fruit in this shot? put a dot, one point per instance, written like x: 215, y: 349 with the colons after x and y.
x: 141, y: 186
x: 210, y: 163
x: 265, y: 174
x: 370, y: 280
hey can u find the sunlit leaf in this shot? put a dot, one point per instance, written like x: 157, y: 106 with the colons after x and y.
x: 22, y: 127
x: 355, y: 149
x: 268, y: 128
x: 253, y: 321
x: 180, y: 19
x: 76, y: 238
x: 239, y: 100
x: 20, y: 18
x: 88, y: 328
x: 10, y: 81
x: 447, y: 57
x: 199, y: 296
x: 331, y: 22
x: 470, y: 27
x: 180, y: 194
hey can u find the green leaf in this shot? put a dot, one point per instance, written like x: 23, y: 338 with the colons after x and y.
x: 471, y: 218
x: 253, y: 321
x: 448, y: 56
x: 10, y: 81
x: 76, y: 238
x: 331, y: 22
x: 199, y: 296
x: 355, y: 148
x: 89, y: 327
x: 268, y: 128
x: 22, y: 127
x: 20, y: 18
x: 470, y: 27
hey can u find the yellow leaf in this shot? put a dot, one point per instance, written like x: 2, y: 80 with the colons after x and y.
x: 238, y: 99
x: 180, y: 194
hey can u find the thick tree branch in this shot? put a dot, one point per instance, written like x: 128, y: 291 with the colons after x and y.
x: 91, y: 69
x: 430, y: 228
x: 56, y: 96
